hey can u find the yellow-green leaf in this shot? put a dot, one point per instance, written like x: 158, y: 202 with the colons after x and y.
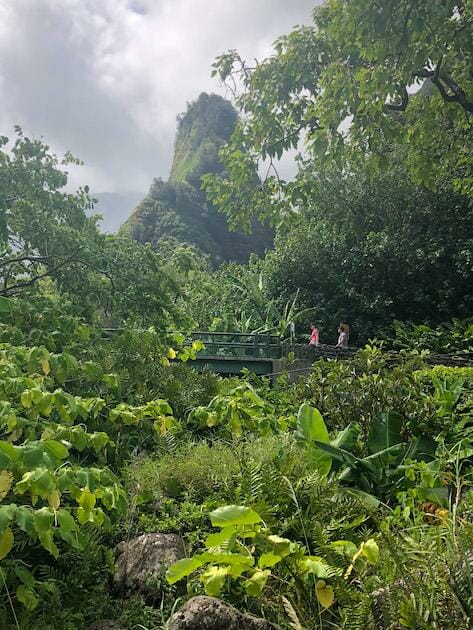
x: 54, y: 500
x: 324, y: 593
x: 6, y: 480
x: 371, y: 551
x: 6, y: 543
x: 213, y: 579
x: 45, y: 366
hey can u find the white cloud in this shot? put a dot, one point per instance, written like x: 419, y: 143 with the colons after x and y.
x: 107, y: 78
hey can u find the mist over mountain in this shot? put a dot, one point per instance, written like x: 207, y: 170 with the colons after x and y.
x: 178, y: 207
x: 114, y: 208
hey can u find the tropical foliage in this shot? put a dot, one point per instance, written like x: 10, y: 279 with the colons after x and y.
x: 339, y: 499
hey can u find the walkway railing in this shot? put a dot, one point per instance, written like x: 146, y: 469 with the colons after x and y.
x: 248, y: 345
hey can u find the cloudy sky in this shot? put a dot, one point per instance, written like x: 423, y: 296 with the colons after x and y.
x: 105, y: 79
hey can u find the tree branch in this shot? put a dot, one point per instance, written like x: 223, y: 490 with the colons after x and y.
x: 21, y: 285
x: 458, y: 94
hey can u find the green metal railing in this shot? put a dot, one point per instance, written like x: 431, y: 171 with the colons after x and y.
x: 226, y: 344
x: 249, y: 345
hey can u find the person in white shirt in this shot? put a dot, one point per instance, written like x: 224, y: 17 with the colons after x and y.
x: 342, y: 337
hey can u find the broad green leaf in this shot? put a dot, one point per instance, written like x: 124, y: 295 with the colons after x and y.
x: 7, y: 514
x: 316, y: 566
x: 213, y: 580
x: 223, y: 536
x: 54, y: 500
x: 268, y: 559
x: 385, y: 431
x: 347, y: 438
x: 368, y: 500
x: 231, y: 559
x: 87, y: 500
x: 281, y: 546
x: 57, y: 449
x: 25, y: 576
x: 255, y: 584
x: 339, y: 454
x: 183, y: 568
x: 46, y: 540
x: 43, y: 520
x: 311, y: 425
x: 27, y: 597
x: 66, y: 520
x: 25, y: 520
x: 6, y: 542
x: 371, y: 551
x: 8, y: 454
x: 234, y: 515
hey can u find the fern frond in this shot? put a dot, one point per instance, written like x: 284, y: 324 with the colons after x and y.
x: 291, y: 613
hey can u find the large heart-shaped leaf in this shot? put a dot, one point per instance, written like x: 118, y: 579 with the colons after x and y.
x: 234, y: 515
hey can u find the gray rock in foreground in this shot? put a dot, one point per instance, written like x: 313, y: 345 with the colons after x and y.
x: 209, y: 613
x: 144, y: 559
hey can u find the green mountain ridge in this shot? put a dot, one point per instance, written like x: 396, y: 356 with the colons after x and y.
x: 178, y: 208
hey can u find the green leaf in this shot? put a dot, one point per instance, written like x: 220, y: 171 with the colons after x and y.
x: 215, y: 540
x: 27, y: 597
x: 66, y: 520
x: 213, y: 580
x: 370, y: 550
x: 7, y: 514
x: 43, y: 520
x: 25, y: 520
x: 385, y: 431
x: 316, y: 566
x: 183, y: 568
x: 268, y: 559
x: 311, y: 425
x: 368, y: 500
x: 281, y: 546
x: 255, y: 584
x: 58, y: 450
x: 347, y: 438
x: 25, y: 576
x: 6, y: 542
x: 46, y: 540
x: 234, y: 515
x: 324, y: 593
x: 8, y: 454
x: 339, y: 454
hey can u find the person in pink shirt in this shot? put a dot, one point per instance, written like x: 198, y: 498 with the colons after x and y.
x: 314, y: 336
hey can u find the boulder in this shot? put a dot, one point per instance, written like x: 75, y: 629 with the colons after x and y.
x: 141, y: 562
x: 209, y: 613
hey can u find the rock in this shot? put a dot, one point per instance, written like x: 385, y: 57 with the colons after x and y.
x: 108, y: 624
x: 143, y: 560
x: 209, y: 613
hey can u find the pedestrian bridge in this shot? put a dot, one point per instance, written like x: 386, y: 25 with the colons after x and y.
x: 260, y: 353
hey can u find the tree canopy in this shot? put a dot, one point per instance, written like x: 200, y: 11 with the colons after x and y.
x: 345, y: 87
x: 45, y: 233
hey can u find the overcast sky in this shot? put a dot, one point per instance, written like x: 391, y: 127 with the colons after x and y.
x: 105, y: 79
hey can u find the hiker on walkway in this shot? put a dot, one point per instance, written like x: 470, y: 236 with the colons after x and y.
x: 343, y: 332
x: 314, y: 335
